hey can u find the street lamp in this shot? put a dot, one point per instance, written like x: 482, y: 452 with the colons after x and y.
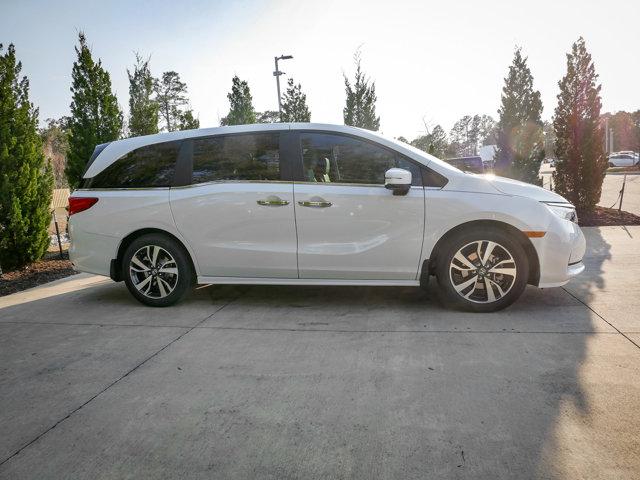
x: 277, y: 74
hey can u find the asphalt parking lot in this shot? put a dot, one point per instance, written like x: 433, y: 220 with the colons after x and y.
x: 311, y: 382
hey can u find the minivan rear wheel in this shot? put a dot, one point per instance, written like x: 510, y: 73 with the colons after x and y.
x: 157, y: 270
x: 482, y: 270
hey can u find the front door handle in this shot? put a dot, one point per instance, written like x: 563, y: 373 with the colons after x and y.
x: 273, y: 201
x: 315, y: 203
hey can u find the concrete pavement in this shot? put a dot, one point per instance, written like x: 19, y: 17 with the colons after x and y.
x: 610, y: 190
x: 313, y: 382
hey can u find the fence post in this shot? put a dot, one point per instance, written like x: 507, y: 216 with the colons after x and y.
x: 624, y: 181
x: 55, y: 221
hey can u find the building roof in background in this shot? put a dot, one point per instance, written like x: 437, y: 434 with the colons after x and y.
x: 487, y: 152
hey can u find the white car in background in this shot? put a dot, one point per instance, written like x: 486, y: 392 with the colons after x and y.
x: 623, y: 159
x: 312, y: 204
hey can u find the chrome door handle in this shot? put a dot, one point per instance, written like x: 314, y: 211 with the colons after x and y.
x: 273, y: 202
x: 317, y: 204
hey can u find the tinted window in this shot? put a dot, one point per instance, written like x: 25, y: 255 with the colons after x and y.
x: 433, y: 179
x: 150, y: 166
x: 236, y: 157
x: 340, y: 159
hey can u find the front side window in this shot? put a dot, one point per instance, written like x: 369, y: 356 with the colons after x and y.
x: 145, y: 167
x: 329, y: 158
x: 236, y: 157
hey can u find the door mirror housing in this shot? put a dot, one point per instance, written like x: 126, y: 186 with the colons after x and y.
x: 398, y: 180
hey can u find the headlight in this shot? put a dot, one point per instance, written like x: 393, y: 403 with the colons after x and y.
x: 566, y: 211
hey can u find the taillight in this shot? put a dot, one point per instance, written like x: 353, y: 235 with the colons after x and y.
x: 80, y: 204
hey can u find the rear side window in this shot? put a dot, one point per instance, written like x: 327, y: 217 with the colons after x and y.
x: 145, y: 167
x: 236, y: 157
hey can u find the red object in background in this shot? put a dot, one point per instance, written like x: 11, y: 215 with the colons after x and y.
x: 80, y: 204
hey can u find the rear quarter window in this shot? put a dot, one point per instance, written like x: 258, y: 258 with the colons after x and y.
x: 146, y: 167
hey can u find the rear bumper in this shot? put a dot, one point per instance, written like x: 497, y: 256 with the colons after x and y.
x: 90, y: 252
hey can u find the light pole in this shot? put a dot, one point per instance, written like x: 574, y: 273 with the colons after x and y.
x: 277, y: 74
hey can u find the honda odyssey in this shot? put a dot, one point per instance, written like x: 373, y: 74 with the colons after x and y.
x: 313, y: 204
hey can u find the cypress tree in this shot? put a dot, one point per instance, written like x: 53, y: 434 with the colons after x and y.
x: 95, y: 115
x: 520, y: 140
x: 268, y: 116
x: 172, y: 100
x: 581, y: 162
x: 188, y: 121
x: 360, y: 108
x: 143, y: 108
x: 26, y: 179
x: 241, y: 101
x: 434, y: 142
x: 294, y: 104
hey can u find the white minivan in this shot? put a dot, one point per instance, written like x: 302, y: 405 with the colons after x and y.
x: 313, y: 204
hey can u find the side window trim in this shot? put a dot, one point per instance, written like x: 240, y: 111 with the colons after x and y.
x: 290, y: 155
x: 184, y: 164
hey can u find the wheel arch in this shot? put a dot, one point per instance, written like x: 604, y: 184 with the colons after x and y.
x: 532, y: 255
x: 115, y: 271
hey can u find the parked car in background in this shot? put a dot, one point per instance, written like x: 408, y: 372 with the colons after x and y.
x: 549, y: 161
x: 312, y: 204
x: 467, y: 164
x: 623, y: 159
x: 627, y: 152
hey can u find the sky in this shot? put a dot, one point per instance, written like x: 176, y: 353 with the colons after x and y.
x: 432, y: 61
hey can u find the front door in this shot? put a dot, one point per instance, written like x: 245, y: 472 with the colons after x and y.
x: 238, y: 213
x: 350, y: 227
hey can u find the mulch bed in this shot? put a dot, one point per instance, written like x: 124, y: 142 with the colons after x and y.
x: 50, y: 268
x: 606, y: 217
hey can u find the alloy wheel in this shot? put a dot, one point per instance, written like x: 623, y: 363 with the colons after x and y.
x: 482, y: 271
x: 154, y: 271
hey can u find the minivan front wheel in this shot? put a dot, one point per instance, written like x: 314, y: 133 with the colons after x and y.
x: 482, y: 270
x: 157, y: 270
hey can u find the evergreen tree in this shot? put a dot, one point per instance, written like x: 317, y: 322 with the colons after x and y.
x: 469, y: 133
x: 55, y: 144
x: 143, y: 108
x: 549, y: 138
x: 360, y: 108
x: 626, y: 135
x: 95, y: 115
x: 434, y: 142
x: 241, y: 102
x: 268, y: 116
x: 26, y: 178
x: 188, y: 121
x: 294, y: 104
x: 520, y: 142
x: 171, y: 95
x: 581, y: 162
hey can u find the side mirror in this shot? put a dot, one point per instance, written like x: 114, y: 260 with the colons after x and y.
x: 398, y: 180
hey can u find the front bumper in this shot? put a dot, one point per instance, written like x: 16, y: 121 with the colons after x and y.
x: 560, y: 253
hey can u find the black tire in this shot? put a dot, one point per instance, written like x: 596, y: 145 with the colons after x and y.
x: 454, y: 274
x: 168, y: 249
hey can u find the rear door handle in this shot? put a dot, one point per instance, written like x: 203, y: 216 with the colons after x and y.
x: 315, y: 203
x: 273, y: 201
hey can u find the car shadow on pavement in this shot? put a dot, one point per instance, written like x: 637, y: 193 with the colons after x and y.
x: 326, y: 382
